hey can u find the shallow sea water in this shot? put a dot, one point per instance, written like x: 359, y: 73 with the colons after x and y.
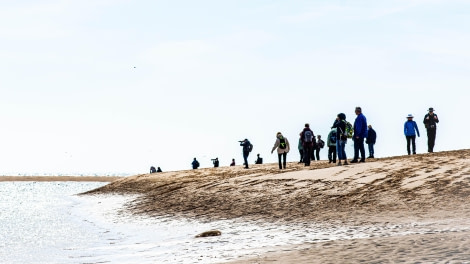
x: 45, y: 222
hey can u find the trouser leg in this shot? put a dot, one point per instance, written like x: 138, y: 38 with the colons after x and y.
x: 408, y: 140
x: 413, y: 144
x: 284, y: 156
x: 245, y: 158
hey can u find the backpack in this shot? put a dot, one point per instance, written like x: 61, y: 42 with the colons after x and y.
x: 282, y: 143
x: 333, y: 137
x: 321, y: 143
x: 250, y: 147
x: 348, y: 131
x: 308, y: 136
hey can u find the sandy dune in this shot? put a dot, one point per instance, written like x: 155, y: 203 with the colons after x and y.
x: 432, y: 188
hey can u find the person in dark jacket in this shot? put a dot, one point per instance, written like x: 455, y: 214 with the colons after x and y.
x: 370, y: 141
x: 159, y: 169
x: 331, y: 143
x: 301, y: 150
x: 360, y: 132
x: 259, y: 160
x: 430, y: 122
x: 409, y: 130
x: 318, y: 146
x: 247, y: 147
x: 215, y: 162
x: 195, y: 164
x: 307, y: 138
x: 341, y: 139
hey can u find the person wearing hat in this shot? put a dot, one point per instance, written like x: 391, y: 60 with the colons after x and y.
x: 430, y: 121
x: 410, y: 134
x: 282, y: 146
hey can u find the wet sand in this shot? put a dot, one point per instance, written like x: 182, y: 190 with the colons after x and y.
x: 425, y: 189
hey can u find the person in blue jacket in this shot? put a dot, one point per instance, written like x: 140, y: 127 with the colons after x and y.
x: 410, y: 134
x: 360, y: 132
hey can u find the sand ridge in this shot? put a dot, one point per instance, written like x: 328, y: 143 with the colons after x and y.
x: 320, y: 192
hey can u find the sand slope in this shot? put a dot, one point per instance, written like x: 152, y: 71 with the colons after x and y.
x: 415, y: 184
x: 433, y: 189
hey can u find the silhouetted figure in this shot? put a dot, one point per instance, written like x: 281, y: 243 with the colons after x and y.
x: 233, y: 162
x: 247, y: 148
x: 370, y: 140
x: 215, y: 162
x: 259, y: 160
x: 411, y: 130
x: 159, y: 170
x: 430, y: 122
x: 195, y: 164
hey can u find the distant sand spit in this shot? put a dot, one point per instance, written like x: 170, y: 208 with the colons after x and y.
x: 60, y: 178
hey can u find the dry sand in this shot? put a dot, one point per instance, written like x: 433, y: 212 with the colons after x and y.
x: 427, y: 188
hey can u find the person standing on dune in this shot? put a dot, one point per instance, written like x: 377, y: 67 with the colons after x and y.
x: 307, y: 138
x: 341, y: 139
x: 247, y: 148
x: 430, y: 122
x: 282, y: 146
x: 410, y: 134
x: 360, y: 132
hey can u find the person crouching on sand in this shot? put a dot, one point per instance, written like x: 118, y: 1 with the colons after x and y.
x: 282, y: 146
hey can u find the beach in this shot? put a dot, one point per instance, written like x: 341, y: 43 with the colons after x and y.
x: 421, y: 201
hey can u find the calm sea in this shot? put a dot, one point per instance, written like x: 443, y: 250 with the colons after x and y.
x: 45, y: 222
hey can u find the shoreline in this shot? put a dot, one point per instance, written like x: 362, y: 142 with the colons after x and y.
x: 413, y: 208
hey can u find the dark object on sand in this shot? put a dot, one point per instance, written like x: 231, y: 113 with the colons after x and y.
x: 210, y: 233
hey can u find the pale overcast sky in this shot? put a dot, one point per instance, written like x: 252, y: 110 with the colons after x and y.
x: 111, y: 87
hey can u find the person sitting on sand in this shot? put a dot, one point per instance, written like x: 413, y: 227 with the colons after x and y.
x: 195, y: 164
x: 233, y: 162
x: 259, y: 160
x: 159, y: 170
